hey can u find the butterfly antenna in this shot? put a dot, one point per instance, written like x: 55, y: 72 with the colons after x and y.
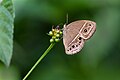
x: 67, y: 18
x: 52, y: 26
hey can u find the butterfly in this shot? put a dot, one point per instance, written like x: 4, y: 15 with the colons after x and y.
x: 76, y: 33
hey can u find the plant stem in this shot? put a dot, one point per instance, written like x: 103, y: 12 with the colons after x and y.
x: 43, y: 55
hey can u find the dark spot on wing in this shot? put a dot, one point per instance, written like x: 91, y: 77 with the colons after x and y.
x: 80, y: 38
x: 73, y: 46
x: 80, y: 42
x: 89, y: 24
x: 85, y: 30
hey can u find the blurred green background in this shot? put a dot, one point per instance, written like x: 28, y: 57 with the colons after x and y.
x: 98, y: 60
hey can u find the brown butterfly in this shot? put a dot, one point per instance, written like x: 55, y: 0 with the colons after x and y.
x: 76, y: 33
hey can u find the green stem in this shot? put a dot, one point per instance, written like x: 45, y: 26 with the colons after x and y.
x: 44, y: 54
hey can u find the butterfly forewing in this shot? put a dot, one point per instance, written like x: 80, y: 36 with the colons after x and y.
x: 70, y: 31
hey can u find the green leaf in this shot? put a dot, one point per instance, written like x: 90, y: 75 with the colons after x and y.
x: 6, y: 31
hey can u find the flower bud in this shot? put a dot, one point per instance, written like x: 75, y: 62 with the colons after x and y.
x: 57, y: 31
x: 53, y: 37
x: 51, y: 40
x: 56, y: 40
x: 60, y: 32
x: 53, y: 30
x: 57, y: 35
x: 50, y: 33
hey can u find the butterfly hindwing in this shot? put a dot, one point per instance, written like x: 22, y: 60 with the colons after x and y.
x: 75, y: 46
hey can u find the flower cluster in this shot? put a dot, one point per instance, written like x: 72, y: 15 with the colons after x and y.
x: 56, y: 34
